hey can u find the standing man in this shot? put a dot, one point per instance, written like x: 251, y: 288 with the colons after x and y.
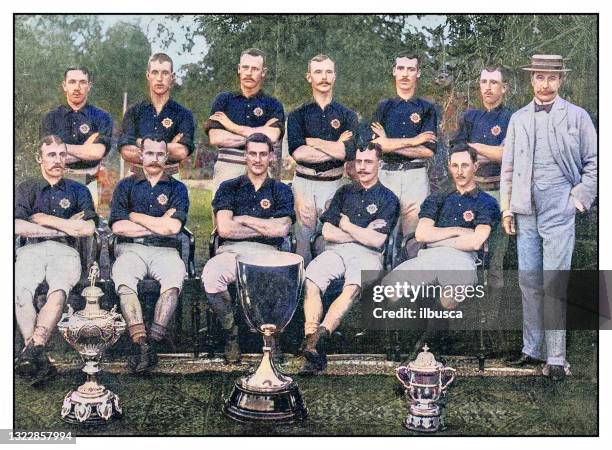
x: 549, y: 170
x: 405, y: 127
x: 320, y: 136
x: 160, y: 118
x: 234, y: 116
x: 253, y: 214
x: 485, y: 130
x: 85, y: 129
x: 51, y: 212
x: 147, y: 211
x: 355, y: 227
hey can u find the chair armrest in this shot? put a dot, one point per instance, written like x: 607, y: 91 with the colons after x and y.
x: 213, y: 243
x: 191, y: 272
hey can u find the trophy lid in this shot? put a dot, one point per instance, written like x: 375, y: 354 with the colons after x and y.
x: 92, y: 291
x: 425, y: 362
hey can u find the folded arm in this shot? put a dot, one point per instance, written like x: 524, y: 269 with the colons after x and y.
x: 75, y: 227
x: 29, y: 229
x: 365, y: 236
x: 228, y: 228
x: 471, y: 241
x: 332, y: 233
x: 273, y: 227
x: 306, y: 153
x: 128, y: 228
x: 491, y: 152
x: 165, y: 225
x: 428, y: 233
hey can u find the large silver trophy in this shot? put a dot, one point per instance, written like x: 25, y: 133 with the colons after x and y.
x: 425, y: 380
x: 269, y: 287
x: 91, y: 331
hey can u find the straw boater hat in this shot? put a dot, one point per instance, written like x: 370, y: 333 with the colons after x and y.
x: 547, y: 63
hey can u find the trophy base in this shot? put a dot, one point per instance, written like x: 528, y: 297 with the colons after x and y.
x: 283, y: 406
x: 424, y: 424
x: 91, y: 411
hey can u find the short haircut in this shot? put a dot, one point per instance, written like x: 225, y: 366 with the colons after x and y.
x: 499, y: 69
x: 319, y: 58
x: 50, y: 139
x: 372, y: 146
x: 255, y: 52
x: 153, y: 139
x: 408, y: 55
x: 261, y: 139
x: 460, y: 147
x: 85, y: 70
x: 160, y: 57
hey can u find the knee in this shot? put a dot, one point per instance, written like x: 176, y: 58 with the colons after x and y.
x: 125, y: 290
x: 352, y: 291
x: 23, y: 297
x: 311, y: 288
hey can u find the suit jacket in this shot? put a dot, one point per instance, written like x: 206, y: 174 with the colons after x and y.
x: 573, y: 141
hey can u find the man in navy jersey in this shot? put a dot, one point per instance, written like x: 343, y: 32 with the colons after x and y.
x: 405, y: 127
x: 320, y: 136
x: 234, y: 116
x: 85, y: 129
x: 50, y: 211
x: 160, y: 118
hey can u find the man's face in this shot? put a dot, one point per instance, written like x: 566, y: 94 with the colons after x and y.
x: 545, y: 85
x: 76, y: 86
x: 366, y: 166
x: 160, y: 77
x: 322, y: 75
x: 258, y: 158
x: 251, y: 72
x: 492, y: 88
x: 52, y: 160
x: 153, y: 155
x: 462, y: 169
x: 406, y: 73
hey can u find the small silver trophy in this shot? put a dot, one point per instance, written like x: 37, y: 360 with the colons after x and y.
x: 91, y: 331
x: 270, y: 287
x: 425, y: 380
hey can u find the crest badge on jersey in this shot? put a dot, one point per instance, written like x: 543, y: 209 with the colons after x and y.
x: 162, y: 199
x: 372, y: 208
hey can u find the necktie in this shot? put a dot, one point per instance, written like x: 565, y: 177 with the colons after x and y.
x: 546, y: 108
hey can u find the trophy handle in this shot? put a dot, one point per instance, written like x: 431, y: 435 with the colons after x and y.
x: 397, y: 375
x: 452, y: 378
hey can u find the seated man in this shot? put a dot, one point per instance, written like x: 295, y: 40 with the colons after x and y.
x: 147, y: 211
x: 355, y: 227
x: 454, y: 226
x: 253, y: 214
x: 50, y: 211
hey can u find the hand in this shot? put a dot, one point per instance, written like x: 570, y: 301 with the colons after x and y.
x: 509, y: 225
x: 38, y: 218
x: 425, y: 137
x: 271, y: 122
x: 378, y: 129
x: 222, y: 118
x: 91, y: 139
x: 383, y: 141
x: 377, y: 224
x: 579, y: 206
x: 344, y: 222
x: 177, y: 138
x: 170, y: 212
x: 78, y: 216
x: 345, y: 136
x: 139, y: 142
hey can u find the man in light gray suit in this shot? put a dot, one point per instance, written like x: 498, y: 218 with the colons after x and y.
x: 549, y: 170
